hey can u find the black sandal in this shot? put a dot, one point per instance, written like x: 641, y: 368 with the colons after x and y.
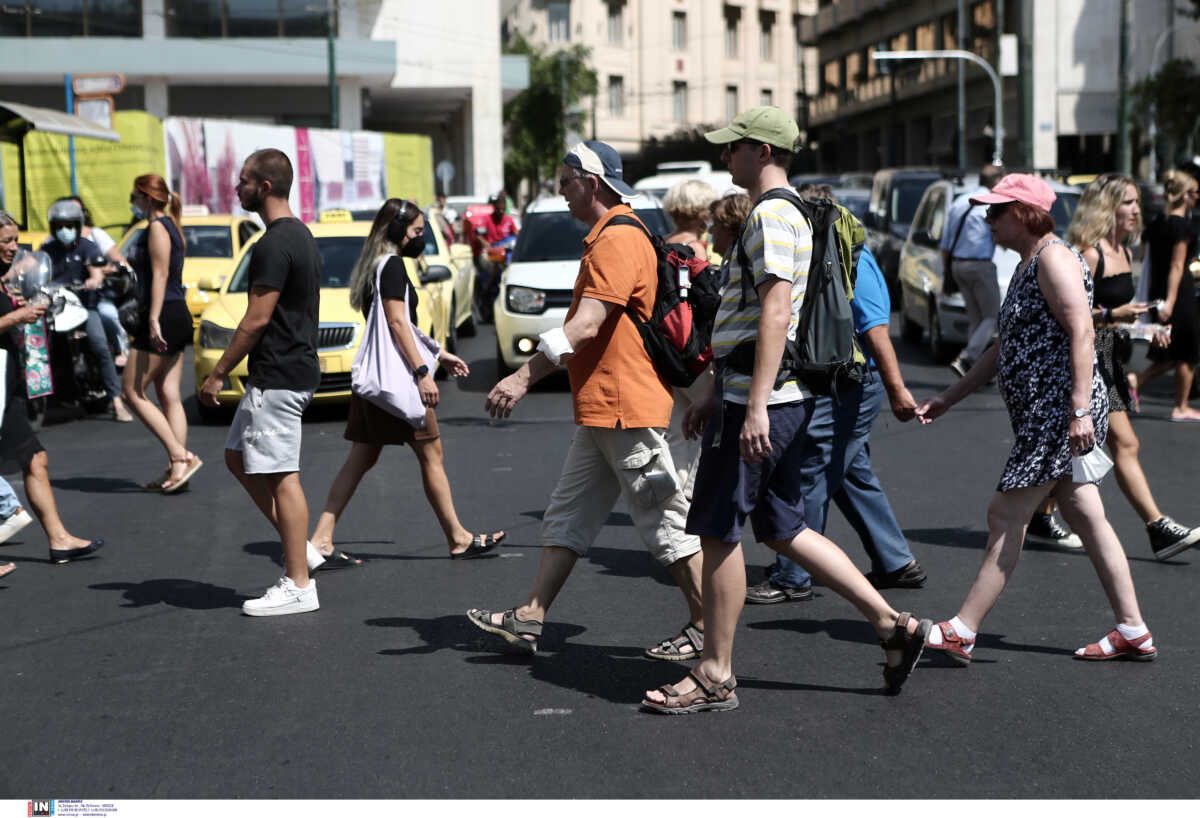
x: 480, y: 544
x: 510, y: 629
x: 911, y: 645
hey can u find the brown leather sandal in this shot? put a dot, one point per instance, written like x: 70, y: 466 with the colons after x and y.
x: 706, y: 696
x: 689, y: 644
x: 910, y: 644
x: 192, y: 464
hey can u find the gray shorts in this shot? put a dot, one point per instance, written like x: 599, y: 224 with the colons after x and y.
x: 266, y: 430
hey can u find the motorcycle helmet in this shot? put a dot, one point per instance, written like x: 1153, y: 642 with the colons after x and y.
x: 66, y: 220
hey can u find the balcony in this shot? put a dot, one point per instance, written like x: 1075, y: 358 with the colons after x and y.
x: 840, y: 12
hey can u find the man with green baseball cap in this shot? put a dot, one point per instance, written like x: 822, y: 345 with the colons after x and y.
x: 766, y: 124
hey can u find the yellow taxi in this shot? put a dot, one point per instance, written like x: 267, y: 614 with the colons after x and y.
x: 31, y: 240
x: 452, y: 295
x: 340, y: 329
x: 213, y: 242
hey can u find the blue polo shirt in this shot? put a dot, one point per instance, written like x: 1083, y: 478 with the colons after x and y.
x: 871, y: 305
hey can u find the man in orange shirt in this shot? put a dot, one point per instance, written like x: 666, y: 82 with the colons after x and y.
x: 622, y: 408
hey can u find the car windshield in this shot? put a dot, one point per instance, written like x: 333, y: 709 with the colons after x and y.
x: 906, y: 195
x: 1062, y: 210
x: 856, y: 203
x: 558, y: 236
x: 208, y: 241
x: 338, y: 255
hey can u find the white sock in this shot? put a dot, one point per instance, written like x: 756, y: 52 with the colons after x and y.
x: 965, y: 633
x: 314, y: 557
x: 1130, y: 632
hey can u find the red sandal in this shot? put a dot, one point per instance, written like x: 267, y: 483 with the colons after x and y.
x: 1116, y: 646
x: 952, y: 645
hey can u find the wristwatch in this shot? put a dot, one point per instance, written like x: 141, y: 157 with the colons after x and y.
x: 1081, y: 413
x: 421, y: 371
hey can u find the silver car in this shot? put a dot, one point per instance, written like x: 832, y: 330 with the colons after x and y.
x: 925, y: 305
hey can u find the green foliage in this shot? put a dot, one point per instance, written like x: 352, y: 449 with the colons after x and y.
x: 534, y: 127
x: 1172, y: 91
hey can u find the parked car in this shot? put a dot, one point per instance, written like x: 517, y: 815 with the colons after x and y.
x: 854, y: 199
x: 671, y: 173
x: 340, y: 329
x: 895, y: 193
x: 537, y: 286
x: 925, y: 304
x: 852, y: 179
x: 212, y: 244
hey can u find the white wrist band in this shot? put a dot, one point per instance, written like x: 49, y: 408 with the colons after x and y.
x: 554, y: 344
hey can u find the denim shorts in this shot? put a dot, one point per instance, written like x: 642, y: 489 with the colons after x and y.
x: 266, y: 430
x: 770, y: 492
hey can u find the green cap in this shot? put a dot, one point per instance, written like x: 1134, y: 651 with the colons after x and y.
x: 765, y: 124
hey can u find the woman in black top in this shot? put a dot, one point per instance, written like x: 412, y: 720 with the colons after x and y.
x: 398, y: 233
x: 1172, y: 242
x: 164, y: 329
x: 17, y: 440
x: 1107, y: 219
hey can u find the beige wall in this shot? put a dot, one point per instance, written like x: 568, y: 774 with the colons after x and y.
x: 649, y: 65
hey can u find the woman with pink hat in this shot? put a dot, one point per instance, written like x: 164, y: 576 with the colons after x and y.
x: 1045, y: 364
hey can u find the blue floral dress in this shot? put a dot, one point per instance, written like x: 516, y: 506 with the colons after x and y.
x: 1034, y: 375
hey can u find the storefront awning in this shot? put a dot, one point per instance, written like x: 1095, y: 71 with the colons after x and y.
x: 16, y: 119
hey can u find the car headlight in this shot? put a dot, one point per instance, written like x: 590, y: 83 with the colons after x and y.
x: 214, y: 336
x: 525, y: 299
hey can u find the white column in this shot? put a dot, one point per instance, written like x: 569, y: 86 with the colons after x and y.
x: 154, y: 20
x: 155, y: 102
x: 350, y: 104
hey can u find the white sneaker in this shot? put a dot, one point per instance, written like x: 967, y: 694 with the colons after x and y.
x: 14, y: 523
x: 314, y: 557
x: 283, y: 598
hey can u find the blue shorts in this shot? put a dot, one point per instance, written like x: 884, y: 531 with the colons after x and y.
x: 770, y: 492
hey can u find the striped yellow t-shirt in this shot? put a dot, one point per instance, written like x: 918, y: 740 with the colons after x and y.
x: 778, y: 243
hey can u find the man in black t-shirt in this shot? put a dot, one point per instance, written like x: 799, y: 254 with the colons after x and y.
x: 279, y: 332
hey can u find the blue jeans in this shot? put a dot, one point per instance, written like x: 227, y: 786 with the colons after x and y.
x: 837, y: 466
x: 110, y: 317
x: 8, y: 500
x: 98, y: 341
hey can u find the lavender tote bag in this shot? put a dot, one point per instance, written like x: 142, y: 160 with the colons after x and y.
x: 380, y: 374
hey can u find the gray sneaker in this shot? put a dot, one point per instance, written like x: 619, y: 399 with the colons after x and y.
x: 1168, y: 538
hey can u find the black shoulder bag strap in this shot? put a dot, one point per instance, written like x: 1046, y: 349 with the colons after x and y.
x: 961, y: 224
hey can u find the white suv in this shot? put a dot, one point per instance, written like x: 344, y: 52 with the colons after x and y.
x: 537, y: 286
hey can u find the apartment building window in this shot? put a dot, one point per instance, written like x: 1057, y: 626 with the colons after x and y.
x: 679, y: 100
x: 71, y: 18
x: 830, y: 77
x: 731, y: 102
x: 855, y: 70
x: 900, y: 42
x: 926, y: 36
x: 679, y: 30
x: 733, y: 21
x: 983, y: 27
x: 559, y: 22
x: 766, y: 36
x: 616, y: 95
x: 767, y: 97
x: 244, y: 18
x: 616, y: 22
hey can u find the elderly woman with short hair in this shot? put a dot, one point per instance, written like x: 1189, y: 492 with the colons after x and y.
x: 687, y: 203
x: 1058, y: 405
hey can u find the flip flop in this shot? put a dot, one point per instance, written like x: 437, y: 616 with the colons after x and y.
x: 338, y: 559
x: 1192, y: 418
x: 480, y: 545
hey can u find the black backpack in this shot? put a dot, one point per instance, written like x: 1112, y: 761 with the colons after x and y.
x: 825, y: 355
x: 678, y: 335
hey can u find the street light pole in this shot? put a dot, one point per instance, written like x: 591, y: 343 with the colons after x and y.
x: 334, y: 116
x: 955, y: 54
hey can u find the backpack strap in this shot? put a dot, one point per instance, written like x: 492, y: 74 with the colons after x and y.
x: 630, y: 221
x: 743, y: 261
x: 961, y: 224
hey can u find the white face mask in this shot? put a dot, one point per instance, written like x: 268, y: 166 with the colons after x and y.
x: 66, y: 235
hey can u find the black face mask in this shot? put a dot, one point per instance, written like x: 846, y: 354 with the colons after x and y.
x: 411, y: 248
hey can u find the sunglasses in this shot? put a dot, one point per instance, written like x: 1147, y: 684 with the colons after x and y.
x: 996, y: 211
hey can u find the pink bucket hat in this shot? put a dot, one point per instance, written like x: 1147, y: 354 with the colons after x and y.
x: 1019, y: 187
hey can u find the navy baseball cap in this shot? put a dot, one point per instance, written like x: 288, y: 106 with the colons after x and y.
x: 598, y: 158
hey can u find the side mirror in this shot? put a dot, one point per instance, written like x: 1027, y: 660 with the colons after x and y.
x: 210, y: 282
x: 436, y: 273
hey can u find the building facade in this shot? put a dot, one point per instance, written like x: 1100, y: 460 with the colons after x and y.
x: 667, y: 65
x: 1059, y: 111
x: 400, y: 65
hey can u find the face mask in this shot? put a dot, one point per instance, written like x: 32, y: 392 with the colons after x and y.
x: 137, y: 212
x: 414, y: 247
x: 66, y: 235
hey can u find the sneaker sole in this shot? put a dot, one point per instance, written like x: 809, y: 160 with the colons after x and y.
x: 14, y: 528
x: 1179, y: 547
x: 1073, y: 543
x: 282, y: 610
x: 511, y: 638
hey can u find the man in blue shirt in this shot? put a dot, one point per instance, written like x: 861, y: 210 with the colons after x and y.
x: 837, y: 457
x: 967, y: 249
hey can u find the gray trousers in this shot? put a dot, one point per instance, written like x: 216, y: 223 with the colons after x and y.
x: 981, y: 292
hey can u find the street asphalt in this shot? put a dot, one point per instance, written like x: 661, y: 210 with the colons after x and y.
x: 135, y: 674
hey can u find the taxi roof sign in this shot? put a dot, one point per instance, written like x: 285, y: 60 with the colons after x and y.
x: 335, y: 216
x: 195, y: 210
x: 97, y: 85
